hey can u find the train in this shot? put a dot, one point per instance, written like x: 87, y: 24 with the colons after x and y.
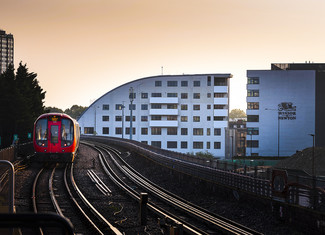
x: 56, y: 138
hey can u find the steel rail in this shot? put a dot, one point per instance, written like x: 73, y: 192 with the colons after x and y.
x: 91, y: 207
x: 52, y: 195
x: 222, y: 223
x: 190, y: 229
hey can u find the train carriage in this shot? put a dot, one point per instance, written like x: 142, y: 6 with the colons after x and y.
x: 56, y: 137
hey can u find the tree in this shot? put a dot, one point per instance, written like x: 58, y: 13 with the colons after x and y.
x: 237, y: 113
x: 75, y: 111
x: 21, y: 102
x: 53, y: 110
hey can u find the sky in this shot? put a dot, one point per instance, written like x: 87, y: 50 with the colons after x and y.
x: 81, y: 49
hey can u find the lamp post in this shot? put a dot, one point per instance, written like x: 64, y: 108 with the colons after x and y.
x: 313, y: 173
x: 232, y: 147
x: 278, y: 130
x: 131, y: 108
x: 122, y: 107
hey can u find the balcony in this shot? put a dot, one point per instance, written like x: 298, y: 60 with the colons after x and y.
x: 161, y: 100
x: 220, y: 112
x: 220, y: 89
x: 220, y: 101
x: 163, y: 123
x: 163, y: 112
x: 220, y: 124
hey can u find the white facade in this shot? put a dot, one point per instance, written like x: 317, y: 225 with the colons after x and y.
x: 280, y: 111
x: 184, y: 113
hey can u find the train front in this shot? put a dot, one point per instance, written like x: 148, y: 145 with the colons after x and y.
x: 55, y: 138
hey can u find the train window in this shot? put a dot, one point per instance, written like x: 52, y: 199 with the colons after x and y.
x: 41, y: 132
x: 54, y: 134
x: 66, y: 132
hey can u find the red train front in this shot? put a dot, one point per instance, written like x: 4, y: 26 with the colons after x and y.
x: 56, y: 137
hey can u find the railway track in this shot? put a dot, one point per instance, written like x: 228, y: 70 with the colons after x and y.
x: 54, y: 189
x: 213, y: 222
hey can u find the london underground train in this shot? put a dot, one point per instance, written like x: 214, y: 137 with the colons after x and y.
x: 56, y: 137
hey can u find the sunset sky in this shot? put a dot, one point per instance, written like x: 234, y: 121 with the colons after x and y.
x: 82, y: 49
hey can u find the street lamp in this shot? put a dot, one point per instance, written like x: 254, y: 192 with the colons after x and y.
x: 278, y: 130
x: 313, y: 156
x: 131, y: 97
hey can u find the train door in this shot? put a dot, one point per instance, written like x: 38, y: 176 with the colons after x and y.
x: 54, y: 138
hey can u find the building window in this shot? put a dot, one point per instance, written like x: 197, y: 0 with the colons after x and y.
x: 208, y: 145
x: 183, y: 131
x: 144, y: 142
x: 217, y: 131
x: 155, y: 106
x: 171, y: 118
x: 144, y: 95
x: 144, y: 131
x: 252, y: 143
x: 105, y: 106
x: 157, y: 83
x: 220, y: 95
x: 171, y: 94
x: 252, y: 131
x: 219, y: 118
x: 156, y: 118
x: 155, y: 130
x: 184, y: 95
x: 118, y: 131
x: 132, y: 95
x: 208, y: 118
x: 184, y: 83
x: 196, y: 83
x: 171, y: 144
x: 183, y: 118
x: 219, y: 106
x: 155, y: 94
x: 217, y: 145
x: 208, y: 106
x: 127, y: 118
x: 209, y: 81
x: 253, y: 93
x: 172, y: 131
x: 196, y: 95
x: 253, y: 105
x: 144, y: 107
x: 183, y: 106
x: 220, y: 81
x: 197, y: 145
x: 118, y: 118
x: 196, y: 118
x: 156, y: 144
x: 253, y: 118
x: 208, y: 131
x: 171, y: 106
x: 127, y: 130
x: 184, y: 145
x: 132, y: 106
x: 105, y: 130
x: 196, y: 107
x: 254, y: 80
x: 144, y: 118
x: 197, y: 131
x: 172, y: 83
x: 105, y: 118
x: 119, y: 106
x: 89, y: 130
x: 208, y: 95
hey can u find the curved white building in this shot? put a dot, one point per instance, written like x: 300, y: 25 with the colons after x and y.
x: 184, y: 113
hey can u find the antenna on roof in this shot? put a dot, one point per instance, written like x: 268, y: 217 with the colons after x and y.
x: 162, y: 70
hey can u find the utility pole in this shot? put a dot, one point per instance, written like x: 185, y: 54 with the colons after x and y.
x: 131, y: 108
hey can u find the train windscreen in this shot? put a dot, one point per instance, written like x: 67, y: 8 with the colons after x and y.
x: 66, y: 132
x: 41, y: 132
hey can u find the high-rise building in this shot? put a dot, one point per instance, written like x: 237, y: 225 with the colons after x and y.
x: 184, y: 113
x: 285, y: 109
x: 6, y: 50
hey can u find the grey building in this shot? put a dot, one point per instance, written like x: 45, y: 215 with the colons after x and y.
x: 6, y: 50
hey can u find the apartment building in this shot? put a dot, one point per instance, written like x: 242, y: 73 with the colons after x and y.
x: 285, y: 109
x: 184, y: 113
x: 6, y: 50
